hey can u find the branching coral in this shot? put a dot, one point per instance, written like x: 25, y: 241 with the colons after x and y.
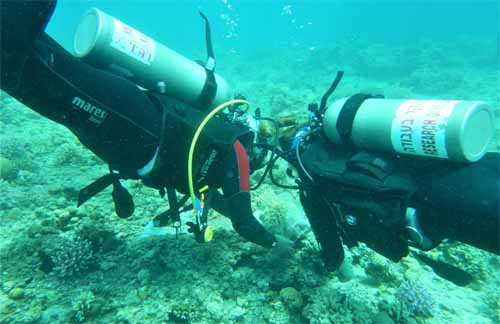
x: 416, y: 298
x: 73, y: 257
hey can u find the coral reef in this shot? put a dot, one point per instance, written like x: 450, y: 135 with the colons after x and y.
x: 183, y: 313
x: 342, y: 304
x: 82, y: 306
x: 72, y: 257
x: 14, y: 148
x: 8, y: 169
x: 416, y: 298
x: 382, y: 271
x: 291, y: 298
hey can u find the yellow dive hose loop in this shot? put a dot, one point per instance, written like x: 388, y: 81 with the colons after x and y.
x: 197, y: 135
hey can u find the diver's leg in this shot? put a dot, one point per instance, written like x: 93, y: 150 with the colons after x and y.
x: 22, y: 23
x: 461, y: 202
x: 109, y: 114
x: 324, y: 226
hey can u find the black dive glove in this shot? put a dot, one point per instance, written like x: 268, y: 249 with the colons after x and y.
x: 238, y: 209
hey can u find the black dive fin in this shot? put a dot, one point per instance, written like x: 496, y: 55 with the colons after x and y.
x: 94, y: 188
x: 124, y: 204
x: 445, y: 270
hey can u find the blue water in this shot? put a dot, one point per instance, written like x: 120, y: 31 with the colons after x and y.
x: 265, y: 23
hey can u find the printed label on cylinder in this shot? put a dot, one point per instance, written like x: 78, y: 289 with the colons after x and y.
x: 133, y: 43
x: 419, y: 127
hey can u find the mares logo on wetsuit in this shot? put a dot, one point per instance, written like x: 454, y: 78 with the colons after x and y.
x: 97, y: 115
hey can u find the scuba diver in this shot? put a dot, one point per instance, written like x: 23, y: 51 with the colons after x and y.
x: 363, y: 178
x: 413, y: 175
x: 142, y: 134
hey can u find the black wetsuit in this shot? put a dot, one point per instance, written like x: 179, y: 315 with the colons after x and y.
x: 366, y: 200
x: 110, y: 115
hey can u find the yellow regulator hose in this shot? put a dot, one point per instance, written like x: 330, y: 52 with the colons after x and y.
x: 197, y: 135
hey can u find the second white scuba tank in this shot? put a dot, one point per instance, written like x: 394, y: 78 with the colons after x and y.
x: 106, y: 42
x: 447, y: 129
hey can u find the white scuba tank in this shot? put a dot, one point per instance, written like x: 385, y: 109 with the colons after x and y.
x: 105, y: 41
x: 447, y: 129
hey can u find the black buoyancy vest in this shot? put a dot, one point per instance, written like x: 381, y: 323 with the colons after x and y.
x: 179, y: 126
x: 374, y: 188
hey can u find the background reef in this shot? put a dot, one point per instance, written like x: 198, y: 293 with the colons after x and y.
x: 60, y: 264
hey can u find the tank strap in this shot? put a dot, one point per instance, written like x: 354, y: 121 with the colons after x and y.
x: 209, y: 90
x: 347, y: 114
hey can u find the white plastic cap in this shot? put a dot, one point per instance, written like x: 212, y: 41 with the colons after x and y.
x: 88, y: 32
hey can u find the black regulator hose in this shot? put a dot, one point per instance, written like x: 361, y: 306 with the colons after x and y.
x: 271, y: 175
x: 333, y: 86
x: 269, y: 170
x: 273, y: 148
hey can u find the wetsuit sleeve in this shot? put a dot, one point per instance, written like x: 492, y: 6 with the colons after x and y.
x: 108, y: 114
x: 236, y: 202
x: 461, y: 202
